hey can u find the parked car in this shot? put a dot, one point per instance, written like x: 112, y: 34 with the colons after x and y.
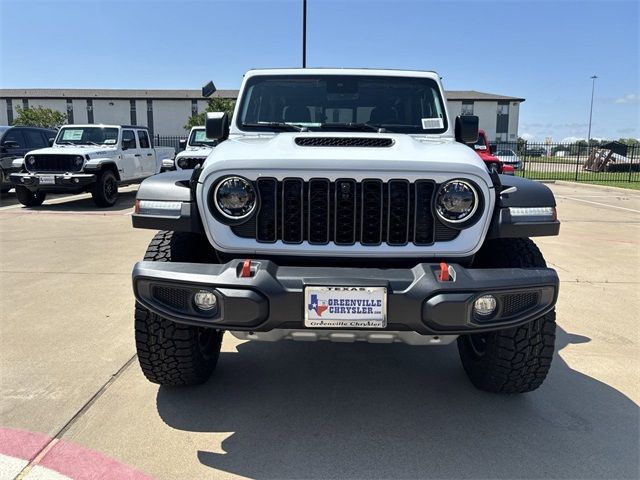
x: 484, y: 150
x: 196, y: 149
x: 14, y: 143
x: 509, y: 157
x: 381, y: 227
x: 88, y: 158
x: 535, y: 152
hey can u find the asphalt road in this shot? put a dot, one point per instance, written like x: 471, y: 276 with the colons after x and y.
x: 74, y: 403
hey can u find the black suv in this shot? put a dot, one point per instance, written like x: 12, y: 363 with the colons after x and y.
x: 15, y: 142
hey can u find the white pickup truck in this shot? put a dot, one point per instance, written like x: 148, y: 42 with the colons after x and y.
x: 197, y: 149
x: 89, y: 158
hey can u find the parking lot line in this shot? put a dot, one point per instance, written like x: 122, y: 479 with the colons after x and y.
x: 599, y: 203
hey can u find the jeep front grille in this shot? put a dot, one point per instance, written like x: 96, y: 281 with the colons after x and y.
x: 370, y: 212
x: 53, y: 163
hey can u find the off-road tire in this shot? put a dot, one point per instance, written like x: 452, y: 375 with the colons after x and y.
x: 513, y: 360
x: 171, y: 353
x: 28, y: 198
x: 105, y: 190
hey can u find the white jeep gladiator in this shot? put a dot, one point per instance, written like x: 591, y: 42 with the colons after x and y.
x: 344, y: 205
x: 197, y: 149
x: 93, y: 158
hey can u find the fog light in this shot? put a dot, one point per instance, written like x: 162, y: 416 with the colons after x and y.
x: 485, y: 305
x: 205, y: 300
x: 76, y: 180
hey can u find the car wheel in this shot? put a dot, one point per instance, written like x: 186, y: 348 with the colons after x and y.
x: 28, y: 198
x: 105, y: 190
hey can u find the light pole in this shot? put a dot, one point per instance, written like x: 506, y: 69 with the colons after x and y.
x: 304, y: 33
x: 593, y: 86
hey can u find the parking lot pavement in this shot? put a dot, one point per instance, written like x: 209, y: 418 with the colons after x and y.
x: 294, y: 410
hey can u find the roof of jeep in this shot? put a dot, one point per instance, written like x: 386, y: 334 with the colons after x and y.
x: 343, y: 71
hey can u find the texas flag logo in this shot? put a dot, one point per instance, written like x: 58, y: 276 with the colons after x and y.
x: 314, y: 305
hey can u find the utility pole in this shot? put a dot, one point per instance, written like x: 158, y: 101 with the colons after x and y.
x: 304, y: 33
x: 593, y: 86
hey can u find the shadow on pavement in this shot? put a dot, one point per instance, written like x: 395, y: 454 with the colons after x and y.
x: 76, y: 203
x: 323, y: 410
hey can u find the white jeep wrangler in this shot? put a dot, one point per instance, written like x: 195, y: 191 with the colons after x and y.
x: 344, y: 205
x: 197, y: 149
x: 88, y: 158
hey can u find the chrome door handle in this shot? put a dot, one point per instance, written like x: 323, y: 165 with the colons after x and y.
x: 137, y: 155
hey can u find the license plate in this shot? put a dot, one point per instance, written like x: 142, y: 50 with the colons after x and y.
x: 47, y: 180
x: 345, y: 307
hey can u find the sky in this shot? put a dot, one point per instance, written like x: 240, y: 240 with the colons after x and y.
x: 543, y: 51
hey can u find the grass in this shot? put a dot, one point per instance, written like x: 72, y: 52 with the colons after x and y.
x: 611, y: 179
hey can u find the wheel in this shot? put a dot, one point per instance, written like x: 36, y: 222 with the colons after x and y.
x: 513, y: 360
x: 28, y: 198
x: 105, y: 190
x: 171, y: 353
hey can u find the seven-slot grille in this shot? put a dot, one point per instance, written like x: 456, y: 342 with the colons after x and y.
x: 54, y: 163
x: 370, y: 212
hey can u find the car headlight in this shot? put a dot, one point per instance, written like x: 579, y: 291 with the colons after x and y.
x: 31, y: 160
x: 235, y: 198
x: 183, y: 163
x: 78, y: 161
x: 456, y: 201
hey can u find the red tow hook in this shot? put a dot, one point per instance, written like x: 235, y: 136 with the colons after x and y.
x: 245, y: 272
x: 444, y: 272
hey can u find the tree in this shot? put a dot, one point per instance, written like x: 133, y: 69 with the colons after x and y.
x: 40, y: 117
x: 215, y: 104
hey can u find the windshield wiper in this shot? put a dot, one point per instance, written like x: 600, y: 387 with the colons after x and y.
x: 62, y: 142
x: 277, y: 125
x: 366, y: 127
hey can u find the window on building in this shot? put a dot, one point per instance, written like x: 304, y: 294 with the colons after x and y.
x: 90, y: 111
x: 467, y: 108
x: 25, y: 103
x: 194, y: 107
x: 9, y: 111
x: 143, y: 138
x: 69, y: 111
x: 502, y: 120
x: 150, y: 115
x: 134, y: 119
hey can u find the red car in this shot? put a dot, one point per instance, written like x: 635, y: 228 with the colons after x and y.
x: 493, y: 163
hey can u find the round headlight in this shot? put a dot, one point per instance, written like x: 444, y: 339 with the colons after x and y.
x: 235, y: 198
x: 31, y: 160
x: 182, y: 163
x: 78, y: 161
x: 457, y: 201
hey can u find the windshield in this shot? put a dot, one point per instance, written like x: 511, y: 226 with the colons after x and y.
x: 87, y: 136
x: 505, y: 153
x: 199, y: 138
x: 339, y: 102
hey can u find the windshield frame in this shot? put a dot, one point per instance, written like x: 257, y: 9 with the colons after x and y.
x: 79, y: 127
x: 387, y: 128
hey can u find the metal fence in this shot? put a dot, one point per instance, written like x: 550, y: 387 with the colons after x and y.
x: 542, y: 161
x: 573, y: 162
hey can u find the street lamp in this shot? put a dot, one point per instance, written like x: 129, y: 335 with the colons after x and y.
x: 593, y: 86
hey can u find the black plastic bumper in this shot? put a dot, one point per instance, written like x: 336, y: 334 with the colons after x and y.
x: 273, y: 297
x: 62, y: 181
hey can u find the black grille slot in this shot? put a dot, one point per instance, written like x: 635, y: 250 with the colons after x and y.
x: 191, y: 162
x: 345, y: 208
x: 371, y: 227
x: 518, y: 302
x: 398, y: 219
x: 423, y: 230
x: 266, y: 225
x: 292, y: 210
x: 173, y: 297
x: 345, y: 212
x: 54, y: 163
x: 343, y: 142
x: 318, y: 215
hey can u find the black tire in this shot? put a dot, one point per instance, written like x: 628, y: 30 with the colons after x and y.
x: 105, y: 190
x: 171, y: 353
x: 28, y: 198
x: 513, y: 360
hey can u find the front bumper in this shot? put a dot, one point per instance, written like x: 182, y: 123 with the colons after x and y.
x: 273, y: 297
x: 61, y: 181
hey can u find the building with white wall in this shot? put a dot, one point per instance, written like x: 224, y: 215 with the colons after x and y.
x: 166, y: 111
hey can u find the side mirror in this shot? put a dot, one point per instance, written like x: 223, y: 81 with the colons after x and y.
x: 51, y: 140
x: 467, y: 127
x: 217, y: 125
x: 182, y: 144
x: 127, y: 144
x: 11, y: 144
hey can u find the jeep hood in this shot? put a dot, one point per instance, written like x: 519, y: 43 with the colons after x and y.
x: 407, y: 153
